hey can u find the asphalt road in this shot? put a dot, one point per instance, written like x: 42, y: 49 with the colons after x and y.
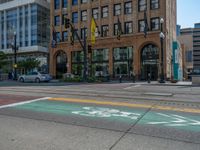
x: 99, y: 117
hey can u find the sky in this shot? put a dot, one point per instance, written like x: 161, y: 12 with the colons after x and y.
x: 188, y: 13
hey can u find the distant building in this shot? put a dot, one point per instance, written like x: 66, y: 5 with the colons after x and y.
x: 29, y: 20
x: 196, y: 48
x: 186, y: 38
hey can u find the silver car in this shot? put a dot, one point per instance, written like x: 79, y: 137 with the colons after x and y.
x: 35, y: 77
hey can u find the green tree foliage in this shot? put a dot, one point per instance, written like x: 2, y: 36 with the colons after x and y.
x: 3, y: 59
x: 28, y: 64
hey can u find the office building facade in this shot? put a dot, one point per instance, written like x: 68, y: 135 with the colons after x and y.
x: 29, y: 21
x: 132, y: 53
x: 196, y: 48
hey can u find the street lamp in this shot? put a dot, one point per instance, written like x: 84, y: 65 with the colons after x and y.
x: 162, y: 37
x: 15, y: 48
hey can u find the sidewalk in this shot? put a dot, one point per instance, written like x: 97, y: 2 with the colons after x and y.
x: 167, y: 83
x: 181, y: 83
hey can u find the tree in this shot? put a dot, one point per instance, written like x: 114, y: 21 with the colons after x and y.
x: 3, y: 59
x: 29, y: 64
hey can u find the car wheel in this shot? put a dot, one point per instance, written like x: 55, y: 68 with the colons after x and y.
x: 37, y: 80
x: 21, y: 79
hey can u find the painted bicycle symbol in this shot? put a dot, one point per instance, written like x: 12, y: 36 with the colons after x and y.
x: 105, y: 113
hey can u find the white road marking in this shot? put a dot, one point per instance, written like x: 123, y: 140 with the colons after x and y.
x: 158, y: 94
x: 105, y: 113
x: 25, y: 102
x: 176, y: 121
x: 130, y: 87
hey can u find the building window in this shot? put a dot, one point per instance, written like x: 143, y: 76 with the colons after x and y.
x: 84, y: 15
x: 122, y: 61
x: 56, y: 4
x: 63, y: 18
x: 116, y: 28
x: 154, y: 4
x: 74, y: 2
x: 64, y: 3
x: 128, y: 7
x: 100, y: 65
x: 155, y: 24
x: 83, y: 30
x: 104, y: 11
x: 142, y: 5
x: 188, y: 56
x: 57, y: 20
x: 58, y: 37
x: 141, y: 25
x: 74, y: 17
x: 128, y: 27
x: 77, y: 63
x: 83, y: 1
x: 104, y: 30
x: 95, y: 13
x: 117, y: 9
x: 64, y: 36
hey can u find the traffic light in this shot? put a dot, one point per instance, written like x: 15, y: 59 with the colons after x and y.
x: 67, y: 23
x: 89, y: 49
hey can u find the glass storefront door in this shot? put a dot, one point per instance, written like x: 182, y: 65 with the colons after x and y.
x: 149, y: 62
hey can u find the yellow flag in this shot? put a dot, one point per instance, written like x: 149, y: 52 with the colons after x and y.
x: 93, y: 31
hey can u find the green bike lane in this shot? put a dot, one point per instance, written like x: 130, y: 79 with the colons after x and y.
x: 130, y: 118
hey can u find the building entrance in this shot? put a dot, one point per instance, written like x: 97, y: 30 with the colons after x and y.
x: 61, y: 64
x: 149, y: 62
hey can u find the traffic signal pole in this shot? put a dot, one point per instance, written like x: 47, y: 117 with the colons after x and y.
x: 83, y: 45
x: 85, y: 73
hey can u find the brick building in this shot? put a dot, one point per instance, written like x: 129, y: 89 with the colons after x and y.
x: 133, y: 53
x: 186, y: 38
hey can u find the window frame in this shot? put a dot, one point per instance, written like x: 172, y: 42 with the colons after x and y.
x: 96, y: 14
x: 140, y: 6
x: 65, y: 37
x: 74, y: 18
x: 125, y: 29
x: 154, y: 3
x: 57, y: 22
x: 103, y: 33
x: 139, y: 25
x: 117, y: 12
x: 84, y: 16
x: 155, y: 18
x: 74, y: 2
x: 128, y: 8
x: 104, y: 13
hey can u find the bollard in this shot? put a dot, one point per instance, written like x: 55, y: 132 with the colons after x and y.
x: 149, y: 78
x: 120, y: 79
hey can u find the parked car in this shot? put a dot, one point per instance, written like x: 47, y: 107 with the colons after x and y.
x: 35, y: 77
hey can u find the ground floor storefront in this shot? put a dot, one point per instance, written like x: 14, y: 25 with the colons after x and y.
x: 139, y: 58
